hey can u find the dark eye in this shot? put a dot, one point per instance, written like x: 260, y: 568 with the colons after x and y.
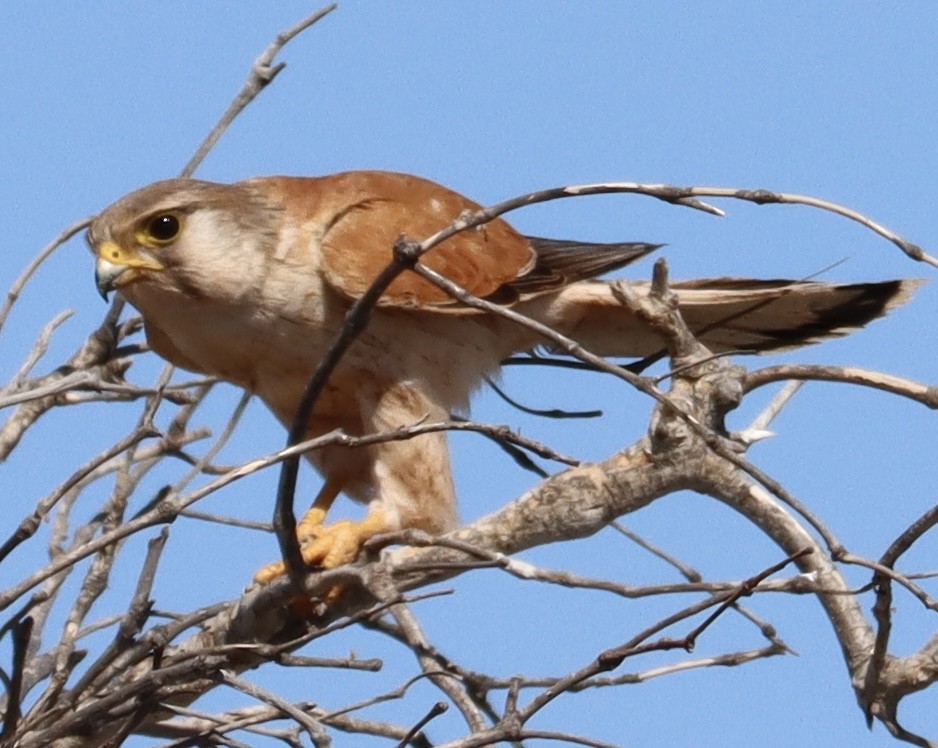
x: 163, y: 228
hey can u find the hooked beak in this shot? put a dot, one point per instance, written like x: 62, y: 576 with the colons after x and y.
x: 106, y: 275
x: 116, y: 267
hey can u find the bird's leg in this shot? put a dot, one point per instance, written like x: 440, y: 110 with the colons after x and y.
x: 315, y: 516
x: 411, y: 478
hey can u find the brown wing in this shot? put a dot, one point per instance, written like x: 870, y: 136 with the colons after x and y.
x: 362, y: 214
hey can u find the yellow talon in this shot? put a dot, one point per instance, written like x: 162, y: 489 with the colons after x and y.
x: 327, y: 546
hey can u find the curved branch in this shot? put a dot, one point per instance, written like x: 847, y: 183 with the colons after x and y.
x: 921, y: 393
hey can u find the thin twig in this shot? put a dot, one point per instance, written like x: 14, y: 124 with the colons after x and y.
x: 312, y: 726
x: 262, y: 74
x: 435, y: 711
x: 20, y: 283
x: 921, y: 393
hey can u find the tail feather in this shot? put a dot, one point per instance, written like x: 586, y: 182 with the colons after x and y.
x: 724, y: 313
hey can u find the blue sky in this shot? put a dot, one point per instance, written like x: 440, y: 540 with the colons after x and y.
x: 833, y: 99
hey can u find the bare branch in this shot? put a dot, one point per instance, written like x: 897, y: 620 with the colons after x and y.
x: 20, y: 283
x: 262, y: 74
x: 921, y: 393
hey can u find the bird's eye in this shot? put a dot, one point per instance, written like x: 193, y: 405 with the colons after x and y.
x: 162, y: 229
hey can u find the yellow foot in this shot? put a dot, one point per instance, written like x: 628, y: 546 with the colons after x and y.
x: 327, y: 546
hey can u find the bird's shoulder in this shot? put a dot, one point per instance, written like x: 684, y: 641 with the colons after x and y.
x: 357, y: 217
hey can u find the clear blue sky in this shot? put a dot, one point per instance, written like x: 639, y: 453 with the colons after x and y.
x: 835, y: 99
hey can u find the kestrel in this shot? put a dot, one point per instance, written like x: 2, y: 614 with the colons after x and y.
x: 250, y: 281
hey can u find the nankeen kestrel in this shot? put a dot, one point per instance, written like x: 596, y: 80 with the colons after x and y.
x: 249, y: 282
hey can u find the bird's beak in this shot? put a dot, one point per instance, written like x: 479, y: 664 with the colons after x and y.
x: 116, y: 267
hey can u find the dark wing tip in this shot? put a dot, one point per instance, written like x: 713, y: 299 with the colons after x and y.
x: 559, y: 262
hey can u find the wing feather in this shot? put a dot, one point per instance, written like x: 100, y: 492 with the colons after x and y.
x: 362, y: 214
x: 381, y: 207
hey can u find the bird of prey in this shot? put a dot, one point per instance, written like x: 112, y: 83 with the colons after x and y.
x: 250, y: 282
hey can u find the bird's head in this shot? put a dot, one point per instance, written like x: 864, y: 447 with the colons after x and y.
x: 179, y: 236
